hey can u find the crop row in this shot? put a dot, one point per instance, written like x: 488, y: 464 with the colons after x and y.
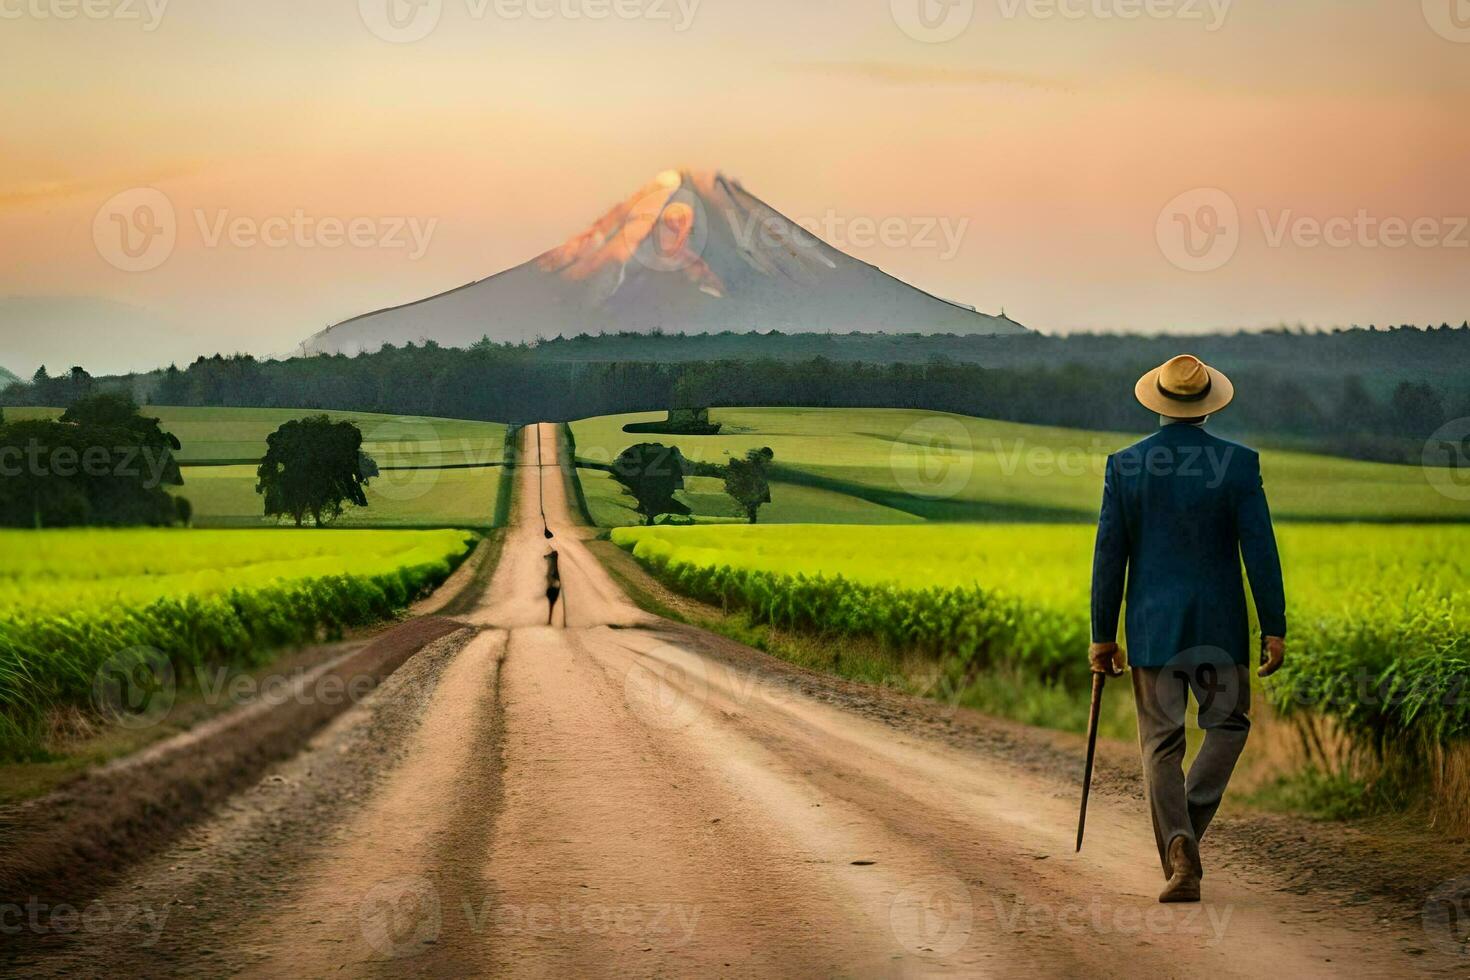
x: 50, y: 662
x: 1388, y: 660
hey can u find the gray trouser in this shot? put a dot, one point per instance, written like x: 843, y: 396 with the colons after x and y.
x: 1180, y: 805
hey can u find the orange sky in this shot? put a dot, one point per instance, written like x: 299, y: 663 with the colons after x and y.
x: 1052, y: 133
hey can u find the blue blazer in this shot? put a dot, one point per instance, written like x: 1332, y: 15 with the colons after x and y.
x: 1180, y: 510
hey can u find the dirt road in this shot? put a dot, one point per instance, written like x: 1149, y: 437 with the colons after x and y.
x: 623, y: 796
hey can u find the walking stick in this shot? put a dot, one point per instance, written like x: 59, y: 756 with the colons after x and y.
x: 1098, y: 679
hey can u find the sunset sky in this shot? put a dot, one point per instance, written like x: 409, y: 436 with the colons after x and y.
x: 1049, y: 137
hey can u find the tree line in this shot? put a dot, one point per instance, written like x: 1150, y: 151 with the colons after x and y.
x: 652, y: 473
x: 1281, y: 400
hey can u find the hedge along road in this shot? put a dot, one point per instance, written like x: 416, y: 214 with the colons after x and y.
x: 616, y: 794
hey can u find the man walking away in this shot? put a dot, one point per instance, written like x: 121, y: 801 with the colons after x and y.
x: 553, y: 584
x: 1180, y: 510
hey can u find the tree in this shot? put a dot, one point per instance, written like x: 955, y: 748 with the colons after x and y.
x: 173, y: 389
x: 101, y: 463
x: 747, y: 480
x: 1417, y: 409
x: 314, y: 466
x: 1357, y: 410
x: 651, y: 474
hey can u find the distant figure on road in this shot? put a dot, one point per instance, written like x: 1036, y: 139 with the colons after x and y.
x: 1180, y: 510
x: 553, y: 584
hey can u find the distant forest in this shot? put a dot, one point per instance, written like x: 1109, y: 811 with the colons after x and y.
x: 1367, y: 393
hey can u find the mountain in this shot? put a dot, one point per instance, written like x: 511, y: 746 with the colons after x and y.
x: 6, y: 378
x: 692, y: 252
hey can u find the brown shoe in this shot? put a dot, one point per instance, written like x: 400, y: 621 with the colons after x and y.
x: 1184, y: 866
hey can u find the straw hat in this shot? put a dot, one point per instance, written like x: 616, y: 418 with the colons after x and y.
x: 1184, y: 387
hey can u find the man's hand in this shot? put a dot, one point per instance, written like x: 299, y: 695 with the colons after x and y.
x: 1104, y: 657
x: 1273, y: 653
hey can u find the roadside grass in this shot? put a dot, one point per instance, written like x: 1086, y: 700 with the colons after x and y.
x: 1322, y: 795
x: 937, y: 466
x: 76, y: 740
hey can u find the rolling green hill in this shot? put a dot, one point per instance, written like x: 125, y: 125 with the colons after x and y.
x: 434, y: 472
x: 223, y: 436
x: 933, y: 466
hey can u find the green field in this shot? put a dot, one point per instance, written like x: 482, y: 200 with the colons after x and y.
x: 1403, y: 573
x: 237, y: 435
x: 224, y: 496
x: 43, y: 573
x: 433, y: 472
x: 790, y: 504
x: 1379, y: 640
x: 955, y: 468
x: 72, y: 601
